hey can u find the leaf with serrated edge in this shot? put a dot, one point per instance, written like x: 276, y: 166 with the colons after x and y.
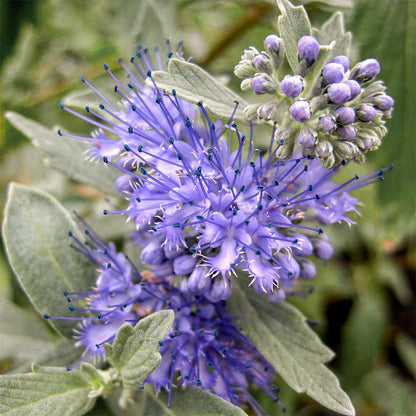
x: 293, y: 24
x: 135, y: 350
x: 185, y: 401
x: 48, y: 391
x: 194, y: 84
x: 38, y: 247
x: 280, y: 333
x: 66, y: 154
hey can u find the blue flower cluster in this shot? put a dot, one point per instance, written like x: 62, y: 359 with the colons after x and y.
x: 204, y: 347
x: 326, y: 110
x: 208, y: 204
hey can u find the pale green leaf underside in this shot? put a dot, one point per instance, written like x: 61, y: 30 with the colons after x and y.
x: 66, y: 154
x: 135, y: 350
x: 194, y: 84
x: 293, y: 24
x: 280, y: 333
x: 35, y: 232
x: 185, y: 401
x: 46, y: 392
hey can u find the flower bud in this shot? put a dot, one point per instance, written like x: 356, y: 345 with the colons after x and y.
x: 323, y: 249
x: 277, y: 296
x: 220, y: 290
x: 292, y: 86
x: 365, y: 70
x: 384, y: 102
x: 246, y: 84
x: 262, y: 63
x: 345, y: 115
x: 163, y: 269
x: 303, y: 246
x: 307, y: 269
x: 324, y: 149
x: 267, y: 111
x: 263, y: 84
x: 367, y: 113
x: 347, y: 132
x: 326, y: 124
x: 333, y: 72
x: 244, y: 69
x: 346, y: 150
x: 300, y: 110
x: 152, y: 253
x: 272, y: 43
x: 306, y: 139
x: 343, y: 60
x: 308, y: 49
x: 339, y: 93
x: 184, y: 265
x: 355, y: 88
x: 199, y: 281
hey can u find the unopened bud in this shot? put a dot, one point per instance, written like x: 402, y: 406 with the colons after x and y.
x: 263, y: 84
x: 292, y: 86
x: 300, y: 110
x: 308, y: 48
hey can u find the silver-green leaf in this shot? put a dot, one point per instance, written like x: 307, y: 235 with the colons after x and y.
x: 333, y: 30
x: 23, y: 335
x: 48, y: 391
x: 35, y: 232
x: 65, y: 154
x: 194, y: 84
x: 281, y: 334
x: 135, y: 350
x: 185, y: 401
x: 293, y: 24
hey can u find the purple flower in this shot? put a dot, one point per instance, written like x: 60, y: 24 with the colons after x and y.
x: 343, y: 60
x: 300, y: 110
x: 203, y: 209
x: 365, y: 70
x: 326, y: 124
x: 333, y: 72
x: 355, y: 88
x: 292, y: 86
x: 308, y: 48
x: 367, y: 113
x: 345, y: 115
x: 384, y: 102
x: 272, y: 43
x: 204, y: 348
x: 339, y: 93
x: 347, y: 132
x: 263, y: 84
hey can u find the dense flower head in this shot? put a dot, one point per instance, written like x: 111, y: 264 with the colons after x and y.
x: 315, y: 90
x: 204, y: 347
x: 207, y: 203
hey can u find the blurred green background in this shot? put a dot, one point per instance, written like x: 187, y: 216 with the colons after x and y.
x: 365, y: 296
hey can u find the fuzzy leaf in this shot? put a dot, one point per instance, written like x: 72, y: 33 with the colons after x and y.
x: 135, y: 350
x: 48, y: 391
x: 293, y: 24
x: 38, y: 247
x: 65, y: 154
x: 333, y: 30
x: 185, y: 401
x: 23, y: 335
x: 281, y: 334
x: 194, y: 84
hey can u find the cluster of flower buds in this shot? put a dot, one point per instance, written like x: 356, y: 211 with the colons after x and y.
x: 326, y: 108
